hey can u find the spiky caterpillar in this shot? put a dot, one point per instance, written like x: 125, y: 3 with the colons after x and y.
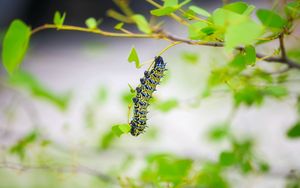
x: 143, y: 94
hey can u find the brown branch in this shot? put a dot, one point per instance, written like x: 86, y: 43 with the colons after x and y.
x: 62, y: 169
x: 169, y: 37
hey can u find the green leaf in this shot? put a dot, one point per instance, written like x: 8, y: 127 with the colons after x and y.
x: 15, y: 44
x: 119, y: 26
x: 107, y: 140
x: 166, y: 106
x: 294, y: 131
x: 249, y: 96
x: 292, y: 10
x: 91, y: 23
x: 120, y: 129
x: 32, y: 85
x: 163, y: 11
x: 227, y: 158
x: 142, y: 23
x: 127, y: 97
x: 102, y: 94
x: 200, y: 11
x: 190, y: 57
x: 59, y: 20
x: 276, y: 91
x: 237, y: 7
x: 250, y: 32
x: 133, y: 57
x: 250, y: 55
x: 271, y: 19
x: 195, y: 30
x: 20, y: 147
x: 170, y: 3
x: 224, y: 18
x: 218, y: 132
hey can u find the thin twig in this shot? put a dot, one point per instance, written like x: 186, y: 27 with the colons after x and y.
x: 61, y: 169
x: 164, y: 36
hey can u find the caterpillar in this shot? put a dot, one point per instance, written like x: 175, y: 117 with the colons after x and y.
x: 143, y: 94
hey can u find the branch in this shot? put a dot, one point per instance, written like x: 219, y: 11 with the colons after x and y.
x: 168, y: 37
x: 63, y: 169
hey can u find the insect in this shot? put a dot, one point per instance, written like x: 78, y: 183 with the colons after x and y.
x: 144, y: 93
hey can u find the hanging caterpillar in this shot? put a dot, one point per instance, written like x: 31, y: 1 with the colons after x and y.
x: 143, y: 94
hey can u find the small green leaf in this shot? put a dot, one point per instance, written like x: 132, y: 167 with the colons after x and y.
x: 107, y: 140
x: 195, y: 30
x: 170, y: 3
x: 120, y: 129
x: 190, y: 57
x: 292, y: 9
x: 91, y: 23
x: 15, y: 45
x: 133, y: 57
x: 59, y: 20
x: 276, y: 91
x: 142, y: 23
x: 163, y: 11
x: 237, y: 7
x: 250, y: 55
x: 271, y: 19
x: 200, y: 11
x: 166, y: 106
x: 227, y: 158
x: 219, y: 132
x: 294, y: 131
x: 119, y: 26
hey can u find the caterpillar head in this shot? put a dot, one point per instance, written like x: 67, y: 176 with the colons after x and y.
x: 159, y: 62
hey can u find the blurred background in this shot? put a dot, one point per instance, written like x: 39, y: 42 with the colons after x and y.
x: 61, y: 136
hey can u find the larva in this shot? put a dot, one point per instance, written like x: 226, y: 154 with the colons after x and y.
x: 143, y: 94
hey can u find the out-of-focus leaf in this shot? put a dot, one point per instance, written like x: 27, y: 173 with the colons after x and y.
x: 195, y: 30
x: 166, y: 168
x: 141, y: 23
x: 107, y: 140
x: 219, y: 132
x: 271, y: 19
x: 292, y: 9
x: 237, y: 7
x: 133, y: 57
x: 92, y: 23
x: 294, y: 54
x: 200, y: 11
x: 190, y: 57
x: 276, y: 91
x: 120, y: 129
x: 249, y: 96
x: 170, y: 3
x: 250, y: 29
x: 163, y: 11
x: 102, y: 94
x: 15, y: 45
x: 32, y: 85
x: 59, y: 19
x: 166, y: 106
x: 250, y: 55
x: 227, y: 158
x: 127, y: 97
x: 224, y: 18
x: 20, y: 147
x: 119, y: 26
x: 294, y: 131
x: 211, y: 176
